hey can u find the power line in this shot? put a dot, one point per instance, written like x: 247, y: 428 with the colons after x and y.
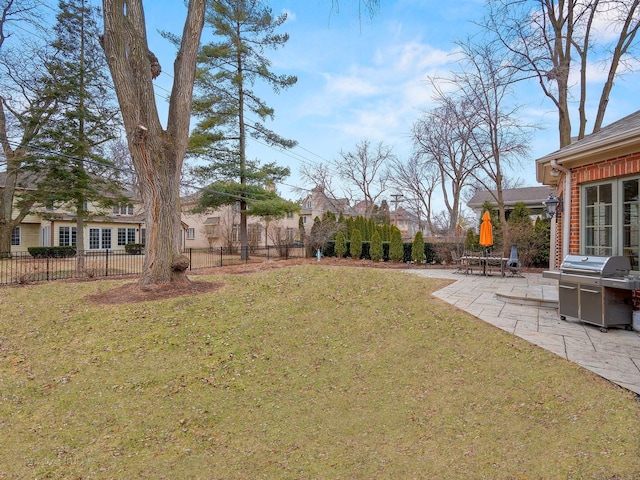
x: 295, y: 156
x: 71, y: 158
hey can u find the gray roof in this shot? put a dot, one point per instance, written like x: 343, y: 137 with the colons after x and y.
x: 613, y: 131
x: 29, y: 181
x: 617, y: 139
x: 528, y: 195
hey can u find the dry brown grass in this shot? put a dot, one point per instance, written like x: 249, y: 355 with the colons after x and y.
x: 303, y: 372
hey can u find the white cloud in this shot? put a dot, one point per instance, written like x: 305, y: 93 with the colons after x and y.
x: 291, y: 16
x: 348, y: 86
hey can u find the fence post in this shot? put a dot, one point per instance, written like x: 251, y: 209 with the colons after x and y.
x: 106, y: 264
x: 221, y: 255
x: 190, y: 259
x: 47, y: 267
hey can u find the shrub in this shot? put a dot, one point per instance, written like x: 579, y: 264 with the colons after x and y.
x: 375, y: 249
x: 356, y: 244
x: 471, y: 240
x: 52, y: 252
x: 417, y: 249
x: 134, y: 248
x: 341, y: 245
x: 396, y: 251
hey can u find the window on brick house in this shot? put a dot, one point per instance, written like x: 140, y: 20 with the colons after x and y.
x: 611, y: 219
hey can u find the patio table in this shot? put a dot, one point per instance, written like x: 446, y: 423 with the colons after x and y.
x: 470, y: 261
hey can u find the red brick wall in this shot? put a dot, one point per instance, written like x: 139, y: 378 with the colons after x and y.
x: 615, y: 167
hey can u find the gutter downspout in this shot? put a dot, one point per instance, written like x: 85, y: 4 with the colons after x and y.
x: 566, y: 219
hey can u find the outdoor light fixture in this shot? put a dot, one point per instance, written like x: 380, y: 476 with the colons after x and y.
x: 552, y: 206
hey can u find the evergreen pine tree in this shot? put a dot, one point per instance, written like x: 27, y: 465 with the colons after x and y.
x: 301, y: 230
x: 356, y: 244
x: 417, y: 249
x: 229, y: 67
x: 75, y: 171
x: 471, y: 240
x: 396, y: 248
x: 375, y: 249
x: 341, y: 245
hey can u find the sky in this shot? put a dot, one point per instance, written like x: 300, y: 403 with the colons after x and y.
x: 366, y: 78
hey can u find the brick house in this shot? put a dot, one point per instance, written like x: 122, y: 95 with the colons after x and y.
x: 597, y: 180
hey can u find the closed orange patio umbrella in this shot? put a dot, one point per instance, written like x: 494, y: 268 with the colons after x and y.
x: 486, y: 230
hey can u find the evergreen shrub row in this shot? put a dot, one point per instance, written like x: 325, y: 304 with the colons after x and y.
x: 429, y: 251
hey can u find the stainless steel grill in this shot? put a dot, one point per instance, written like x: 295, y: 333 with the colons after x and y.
x: 596, y: 290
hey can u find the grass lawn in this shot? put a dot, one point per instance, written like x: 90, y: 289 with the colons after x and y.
x: 304, y: 372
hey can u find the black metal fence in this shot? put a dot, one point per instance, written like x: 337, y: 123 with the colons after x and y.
x: 22, y: 267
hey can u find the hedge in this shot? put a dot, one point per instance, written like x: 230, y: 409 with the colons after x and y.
x: 52, y: 252
x: 429, y: 252
x: 134, y: 248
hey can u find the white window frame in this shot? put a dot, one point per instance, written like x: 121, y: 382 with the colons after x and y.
x: 16, y: 237
x: 123, y: 209
x: 70, y: 234
x: 103, y: 236
x: 612, y: 234
x: 126, y: 235
x: 191, y: 233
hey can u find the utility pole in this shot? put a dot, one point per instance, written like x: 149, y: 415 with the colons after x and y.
x: 396, y: 198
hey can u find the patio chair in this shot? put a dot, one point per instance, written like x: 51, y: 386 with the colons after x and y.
x: 457, y: 261
x: 513, y: 264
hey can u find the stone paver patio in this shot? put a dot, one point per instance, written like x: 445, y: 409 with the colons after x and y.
x: 527, y: 307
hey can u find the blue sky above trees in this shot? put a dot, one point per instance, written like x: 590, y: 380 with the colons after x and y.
x: 366, y: 78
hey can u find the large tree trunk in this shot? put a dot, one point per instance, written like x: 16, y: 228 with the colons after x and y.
x: 157, y: 154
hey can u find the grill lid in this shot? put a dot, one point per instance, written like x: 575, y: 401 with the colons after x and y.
x: 615, y: 266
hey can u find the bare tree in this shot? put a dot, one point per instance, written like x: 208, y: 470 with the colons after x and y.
x: 497, y: 138
x: 442, y: 141
x: 318, y: 175
x: 26, y: 104
x: 18, y: 11
x: 549, y: 39
x: 364, y: 171
x: 157, y: 154
x: 418, y: 180
x: 118, y: 152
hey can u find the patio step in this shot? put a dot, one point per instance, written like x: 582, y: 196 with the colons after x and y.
x: 542, y: 296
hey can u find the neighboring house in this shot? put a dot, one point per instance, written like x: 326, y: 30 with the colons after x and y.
x: 221, y: 227
x: 532, y: 197
x: 597, y: 180
x: 317, y: 203
x: 55, y: 225
x: 407, y: 223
